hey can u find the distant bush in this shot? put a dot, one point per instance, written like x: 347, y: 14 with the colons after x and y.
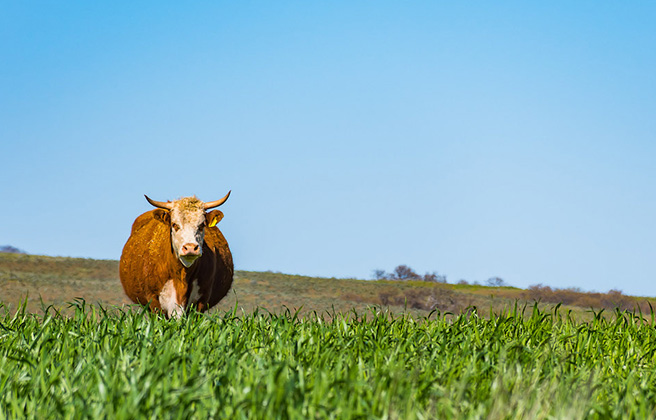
x: 435, y: 277
x: 435, y: 298
x: 380, y: 274
x: 495, y: 282
x: 576, y: 297
x: 11, y: 249
x: 403, y: 272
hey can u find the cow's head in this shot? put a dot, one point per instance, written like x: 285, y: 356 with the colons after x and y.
x: 187, y: 220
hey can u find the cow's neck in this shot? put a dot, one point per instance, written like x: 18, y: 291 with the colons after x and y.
x: 186, y: 273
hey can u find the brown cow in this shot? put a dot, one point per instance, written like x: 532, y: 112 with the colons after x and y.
x: 163, y: 263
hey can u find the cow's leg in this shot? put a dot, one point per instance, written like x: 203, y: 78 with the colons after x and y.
x: 153, y: 303
x: 197, y: 306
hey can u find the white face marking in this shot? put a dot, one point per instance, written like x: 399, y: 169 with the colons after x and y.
x: 195, y: 293
x: 187, y: 229
x: 168, y: 300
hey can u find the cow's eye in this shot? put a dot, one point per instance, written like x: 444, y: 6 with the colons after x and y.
x: 201, y: 226
x: 175, y: 226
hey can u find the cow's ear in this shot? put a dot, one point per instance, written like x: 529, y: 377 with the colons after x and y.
x: 213, y: 217
x: 162, y: 215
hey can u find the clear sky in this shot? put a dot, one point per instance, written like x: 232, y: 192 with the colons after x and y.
x: 475, y: 139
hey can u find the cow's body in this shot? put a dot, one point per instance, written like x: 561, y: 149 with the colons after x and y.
x: 169, y: 277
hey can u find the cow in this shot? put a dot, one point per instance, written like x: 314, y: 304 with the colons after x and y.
x: 176, y: 258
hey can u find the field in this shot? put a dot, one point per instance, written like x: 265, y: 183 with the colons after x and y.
x: 57, y: 281
x: 129, y: 365
x: 343, y: 349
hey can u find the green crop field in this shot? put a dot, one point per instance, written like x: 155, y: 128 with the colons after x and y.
x: 523, y: 363
x: 345, y: 349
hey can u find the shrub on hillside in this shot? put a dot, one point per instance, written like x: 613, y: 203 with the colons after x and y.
x: 403, y: 272
x: 435, y: 277
x: 576, y: 297
x: 495, y: 282
x: 434, y: 298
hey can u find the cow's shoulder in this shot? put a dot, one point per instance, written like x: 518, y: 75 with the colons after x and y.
x: 153, y: 220
x: 143, y: 220
x: 149, y: 246
x: 215, y: 239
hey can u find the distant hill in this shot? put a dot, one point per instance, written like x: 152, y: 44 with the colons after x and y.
x: 11, y: 249
x: 57, y: 281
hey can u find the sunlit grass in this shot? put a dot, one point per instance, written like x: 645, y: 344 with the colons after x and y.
x: 109, y: 363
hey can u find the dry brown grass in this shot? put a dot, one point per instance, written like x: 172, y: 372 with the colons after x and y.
x: 57, y: 281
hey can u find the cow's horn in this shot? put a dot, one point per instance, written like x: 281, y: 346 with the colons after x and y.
x: 160, y: 204
x: 217, y: 203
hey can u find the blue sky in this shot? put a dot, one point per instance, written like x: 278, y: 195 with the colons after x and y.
x: 475, y: 139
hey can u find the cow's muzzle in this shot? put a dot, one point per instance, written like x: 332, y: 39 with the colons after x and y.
x: 190, y: 249
x: 189, y: 253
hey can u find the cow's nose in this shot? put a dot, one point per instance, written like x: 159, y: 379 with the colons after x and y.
x: 190, y: 249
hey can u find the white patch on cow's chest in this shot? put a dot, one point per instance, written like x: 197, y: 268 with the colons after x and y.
x: 195, y: 292
x: 168, y: 300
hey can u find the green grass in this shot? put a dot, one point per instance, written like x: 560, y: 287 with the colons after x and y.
x: 127, y: 364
